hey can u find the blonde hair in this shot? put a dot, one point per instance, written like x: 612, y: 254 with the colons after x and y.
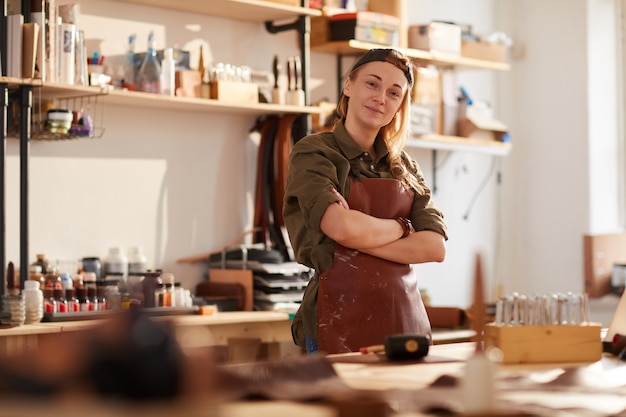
x: 395, y: 135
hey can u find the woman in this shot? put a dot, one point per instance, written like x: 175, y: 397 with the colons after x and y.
x: 358, y: 212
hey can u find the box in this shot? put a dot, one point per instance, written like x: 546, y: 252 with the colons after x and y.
x: 446, y: 317
x: 320, y: 30
x: 546, y: 344
x: 426, y: 101
x: 483, y: 50
x: 365, y: 26
x: 294, y: 3
x: 482, y: 129
x: 437, y: 37
x: 234, y: 91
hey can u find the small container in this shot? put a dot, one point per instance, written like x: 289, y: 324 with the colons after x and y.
x: 73, y: 305
x: 49, y: 303
x: 33, y: 300
x: 83, y: 299
x: 34, y: 274
x: 93, y: 264
x: 53, y: 279
x: 42, y: 262
x: 59, y: 296
x: 59, y: 121
x: 137, y: 263
x: 116, y: 263
x: 167, y: 292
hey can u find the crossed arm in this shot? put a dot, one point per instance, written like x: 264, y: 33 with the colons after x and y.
x: 380, y: 237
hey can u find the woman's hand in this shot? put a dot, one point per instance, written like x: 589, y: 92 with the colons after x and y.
x: 342, y: 201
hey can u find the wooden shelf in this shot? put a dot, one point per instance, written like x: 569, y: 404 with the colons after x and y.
x: 247, y: 10
x: 353, y: 47
x: 156, y: 101
x: 456, y: 143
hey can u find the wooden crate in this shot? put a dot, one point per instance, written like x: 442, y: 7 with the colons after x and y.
x: 546, y: 344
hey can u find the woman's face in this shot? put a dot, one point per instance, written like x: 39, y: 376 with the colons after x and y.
x: 376, y: 93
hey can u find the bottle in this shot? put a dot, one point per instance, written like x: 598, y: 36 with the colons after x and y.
x: 53, y: 279
x: 92, y: 298
x: 149, y: 75
x: 168, y: 72
x: 129, y: 65
x: 42, y: 262
x: 167, y: 294
x: 49, y: 304
x: 83, y: 299
x: 73, y: 305
x: 137, y: 263
x: 34, y: 274
x: 116, y: 263
x: 33, y: 299
x: 59, y: 296
x: 66, y: 280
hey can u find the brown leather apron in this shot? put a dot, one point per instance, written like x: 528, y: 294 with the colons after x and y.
x: 363, y: 298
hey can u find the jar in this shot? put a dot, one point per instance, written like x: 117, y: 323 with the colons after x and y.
x: 116, y: 263
x: 59, y: 121
x: 33, y: 299
x: 93, y: 264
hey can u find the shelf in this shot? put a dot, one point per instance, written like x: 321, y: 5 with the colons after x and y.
x: 156, y: 101
x: 455, y: 143
x: 247, y: 10
x: 353, y: 47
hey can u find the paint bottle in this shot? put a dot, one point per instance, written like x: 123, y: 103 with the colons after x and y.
x: 137, y: 262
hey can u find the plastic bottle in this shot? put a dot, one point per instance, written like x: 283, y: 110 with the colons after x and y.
x: 168, y: 72
x: 149, y: 75
x: 137, y: 262
x: 129, y: 64
x: 33, y: 298
x: 116, y: 263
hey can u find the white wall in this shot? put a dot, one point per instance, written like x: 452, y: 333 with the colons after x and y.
x: 180, y: 183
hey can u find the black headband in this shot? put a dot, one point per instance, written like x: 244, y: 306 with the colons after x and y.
x: 391, y: 56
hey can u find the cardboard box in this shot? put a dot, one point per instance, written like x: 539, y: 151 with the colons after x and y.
x: 482, y: 129
x: 601, y: 252
x: 426, y: 101
x: 365, y: 26
x: 320, y: 30
x: 484, y: 50
x: 546, y: 344
x: 437, y: 37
